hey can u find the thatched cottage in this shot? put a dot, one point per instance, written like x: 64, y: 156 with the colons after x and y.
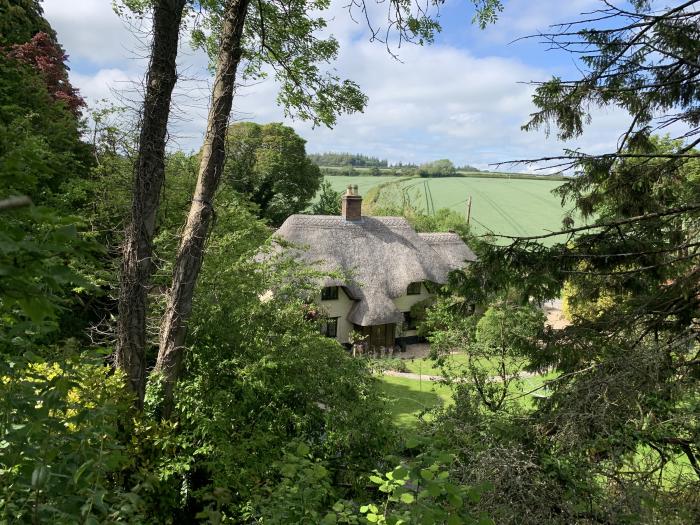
x: 389, y: 268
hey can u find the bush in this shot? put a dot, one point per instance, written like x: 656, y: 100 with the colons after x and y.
x: 61, y: 450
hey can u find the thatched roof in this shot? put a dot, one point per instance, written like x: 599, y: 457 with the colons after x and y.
x: 381, y: 256
x: 450, y: 247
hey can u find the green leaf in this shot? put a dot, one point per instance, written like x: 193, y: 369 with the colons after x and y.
x: 427, y: 474
x: 455, y: 500
x: 412, y: 442
x: 81, y: 470
x: 434, y: 489
x: 400, y: 473
x: 40, y: 476
x: 407, y: 498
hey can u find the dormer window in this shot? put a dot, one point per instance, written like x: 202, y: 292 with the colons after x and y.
x: 329, y: 293
x: 413, y: 289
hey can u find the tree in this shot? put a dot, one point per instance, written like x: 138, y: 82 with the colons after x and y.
x: 437, y: 168
x: 328, y: 201
x: 20, y: 20
x: 149, y: 174
x: 624, y: 405
x: 40, y: 152
x: 190, y: 252
x: 268, y: 163
x: 45, y: 55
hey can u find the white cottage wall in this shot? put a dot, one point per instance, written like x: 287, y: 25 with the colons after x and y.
x: 339, y: 308
x: 404, y: 304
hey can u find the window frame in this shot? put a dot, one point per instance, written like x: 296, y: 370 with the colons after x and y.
x: 328, y: 322
x: 420, y: 288
x: 333, y: 293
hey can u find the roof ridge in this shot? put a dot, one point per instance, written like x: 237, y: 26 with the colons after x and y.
x: 328, y: 220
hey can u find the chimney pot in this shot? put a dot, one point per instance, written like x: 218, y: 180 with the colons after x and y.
x: 352, y: 204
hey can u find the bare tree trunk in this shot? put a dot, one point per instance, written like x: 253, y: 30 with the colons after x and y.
x: 149, y: 174
x: 199, y: 220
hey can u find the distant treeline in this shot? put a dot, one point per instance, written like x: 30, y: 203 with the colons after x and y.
x: 438, y: 168
x: 349, y: 165
x: 347, y: 159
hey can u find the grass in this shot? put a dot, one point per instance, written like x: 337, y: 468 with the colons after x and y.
x: 500, y: 205
x: 454, y: 362
x: 410, y: 397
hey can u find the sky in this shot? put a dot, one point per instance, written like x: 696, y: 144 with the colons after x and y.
x: 464, y: 97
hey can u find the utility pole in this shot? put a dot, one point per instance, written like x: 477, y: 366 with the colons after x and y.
x: 469, y: 209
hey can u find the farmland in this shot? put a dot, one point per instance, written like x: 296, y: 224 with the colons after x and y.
x: 507, y: 206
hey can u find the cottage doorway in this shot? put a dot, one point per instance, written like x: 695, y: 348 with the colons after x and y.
x: 381, y: 335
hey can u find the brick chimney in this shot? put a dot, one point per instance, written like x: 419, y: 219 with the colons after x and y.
x: 352, y: 204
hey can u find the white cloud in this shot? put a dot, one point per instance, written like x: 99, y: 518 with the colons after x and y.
x: 91, y: 31
x: 521, y: 18
x: 101, y: 85
x: 439, y: 102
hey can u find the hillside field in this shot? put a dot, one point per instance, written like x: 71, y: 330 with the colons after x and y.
x: 501, y: 205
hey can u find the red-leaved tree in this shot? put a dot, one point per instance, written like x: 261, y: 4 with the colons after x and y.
x: 46, y: 56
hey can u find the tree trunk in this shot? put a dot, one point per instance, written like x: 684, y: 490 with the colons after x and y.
x: 199, y: 220
x: 149, y: 174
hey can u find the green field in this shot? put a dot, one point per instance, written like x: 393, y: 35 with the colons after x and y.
x: 410, y: 397
x: 501, y: 205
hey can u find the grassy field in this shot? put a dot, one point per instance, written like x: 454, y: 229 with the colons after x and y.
x: 503, y: 206
x: 410, y: 397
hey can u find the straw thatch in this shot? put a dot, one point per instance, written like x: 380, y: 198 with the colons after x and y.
x: 450, y: 247
x: 381, y: 256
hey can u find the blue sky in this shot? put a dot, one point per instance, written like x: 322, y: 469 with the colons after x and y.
x: 464, y: 97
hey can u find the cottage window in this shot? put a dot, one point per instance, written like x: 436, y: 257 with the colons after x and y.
x: 409, y: 321
x: 329, y: 327
x: 413, y: 289
x: 329, y: 293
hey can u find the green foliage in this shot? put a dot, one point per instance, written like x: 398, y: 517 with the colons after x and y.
x: 61, y: 453
x: 618, y: 431
x: 40, y: 152
x: 283, y: 381
x: 497, y: 345
x: 37, y: 249
x: 437, y: 168
x: 20, y: 20
x: 420, y: 490
x: 268, y: 163
x: 346, y: 159
x: 40, y: 145
x: 328, y: 202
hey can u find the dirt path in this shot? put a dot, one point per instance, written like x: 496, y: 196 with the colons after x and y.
x: 425, y: 377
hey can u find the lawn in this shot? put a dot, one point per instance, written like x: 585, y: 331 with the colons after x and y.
x: 501, y: 205
x: 410, y: 397
x: 454, y: 362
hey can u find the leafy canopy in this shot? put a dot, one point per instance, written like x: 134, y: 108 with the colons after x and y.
x: 268, y: 163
